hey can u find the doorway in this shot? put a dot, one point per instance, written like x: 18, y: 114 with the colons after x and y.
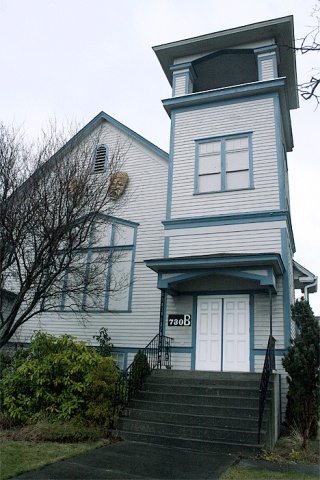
x: 222, y: 333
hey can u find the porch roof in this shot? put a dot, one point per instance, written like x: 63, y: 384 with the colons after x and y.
x: 172, y: 271
x: 304, y: 279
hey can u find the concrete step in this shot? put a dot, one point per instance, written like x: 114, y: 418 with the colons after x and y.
x: 188, y: 431
x: 192, y: 419
x: 203, y: 411
x: 200, y: 389
x: 199, y: 445
x: 238, y: 411
x: 209, y: 400
x: 204, y: 377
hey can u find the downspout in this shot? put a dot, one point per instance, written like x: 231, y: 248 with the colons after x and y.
x: 305, y: 290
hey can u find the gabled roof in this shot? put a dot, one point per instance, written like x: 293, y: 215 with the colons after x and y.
x: 101, y: 117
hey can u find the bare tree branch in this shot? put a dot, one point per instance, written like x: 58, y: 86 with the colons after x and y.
x: 50, y: 207
x: 310, y: 43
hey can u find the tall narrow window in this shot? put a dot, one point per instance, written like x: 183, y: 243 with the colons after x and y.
x: 102, y: 278
x: 237, y: 163
x: 223, y: 164
x: 100, y: 159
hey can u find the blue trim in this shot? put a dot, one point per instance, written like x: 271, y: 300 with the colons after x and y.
x: 267, y: 48
x: 228, y: 219
x: 222, y: 139
x: 135, y: 235
x: 279, y: 352
x: 166, y: 246
x: 186, y: 82
x: 87, y: 269
x: 251, y: 331
x: 113, y: 221
x: 222, y: 335
x: 240, y: 92
x: 280, y: 159
x: 272, y: 51
x: 221, y: 97
x: 104, y: 116
x: 239, y: 272
x: 117, y: 220
x: 196, y: 169
x: 194, y: 331
x: 286, y: 291
x: 271, y: 56
x: 170, y: 169
x: 180, y: 264
x: 180, y: 66
x: 165, y: 314
x: 93, y: 124
x: 232, y: 219
x: 109, y: 270
x: 219, y: 292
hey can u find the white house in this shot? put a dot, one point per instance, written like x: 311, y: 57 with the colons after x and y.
x: 207, y: 228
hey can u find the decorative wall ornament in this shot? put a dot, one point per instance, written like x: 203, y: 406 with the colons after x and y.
x: 118, y: 184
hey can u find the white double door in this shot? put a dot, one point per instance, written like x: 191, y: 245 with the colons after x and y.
x: 223, y: 339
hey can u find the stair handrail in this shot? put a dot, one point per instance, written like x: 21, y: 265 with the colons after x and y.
x: 156, y: 354
x: 268, y: 367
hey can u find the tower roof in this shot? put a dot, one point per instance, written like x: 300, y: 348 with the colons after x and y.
x: 279, y: 31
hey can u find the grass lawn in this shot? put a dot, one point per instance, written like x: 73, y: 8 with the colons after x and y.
x: 21, y: 456
x: 31, y: 447
x: 237, y: 473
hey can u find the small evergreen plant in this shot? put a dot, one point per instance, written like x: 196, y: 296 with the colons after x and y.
x: 105, y: 345
x: 301, y: 362
x: 140, y: 371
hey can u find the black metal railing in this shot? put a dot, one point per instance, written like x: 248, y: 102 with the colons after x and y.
x: 268, y: 367
x: 155, y: 355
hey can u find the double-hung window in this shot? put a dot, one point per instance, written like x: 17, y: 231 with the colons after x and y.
x: 224, y: 163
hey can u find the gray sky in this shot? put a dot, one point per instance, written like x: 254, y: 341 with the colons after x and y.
x: 73, y: 58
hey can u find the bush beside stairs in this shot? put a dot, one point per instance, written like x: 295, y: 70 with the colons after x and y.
x: 197, y: 410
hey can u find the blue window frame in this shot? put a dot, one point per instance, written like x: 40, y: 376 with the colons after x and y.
x: 109, y: 260
x: 224, y: 163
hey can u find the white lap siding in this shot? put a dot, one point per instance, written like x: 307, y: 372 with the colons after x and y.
x: 248, y: 238
x: 145, y: 205
x: 247, y: 116
x: 182, y: 336
x: 262, y: 318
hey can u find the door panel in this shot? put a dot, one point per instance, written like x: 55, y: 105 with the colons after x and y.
x: 208, y: 345
x: 223, y: 340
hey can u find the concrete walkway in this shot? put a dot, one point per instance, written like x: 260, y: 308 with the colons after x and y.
x: 132, y: 460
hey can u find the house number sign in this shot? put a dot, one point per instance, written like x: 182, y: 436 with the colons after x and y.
x: 179, y: 320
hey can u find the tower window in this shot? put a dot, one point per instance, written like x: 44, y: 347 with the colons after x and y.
x: 224, y: 163
x: 100, y: 159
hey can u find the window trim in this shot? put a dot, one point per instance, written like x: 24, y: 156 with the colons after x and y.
x: 114, y: 222
x: 223, y: 139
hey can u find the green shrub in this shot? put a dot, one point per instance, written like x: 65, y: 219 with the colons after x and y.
x: 302, y: 365
x: 60, y: 379
x: 140, y: 371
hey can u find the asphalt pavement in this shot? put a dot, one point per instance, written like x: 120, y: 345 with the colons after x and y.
x: 133, y: 460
